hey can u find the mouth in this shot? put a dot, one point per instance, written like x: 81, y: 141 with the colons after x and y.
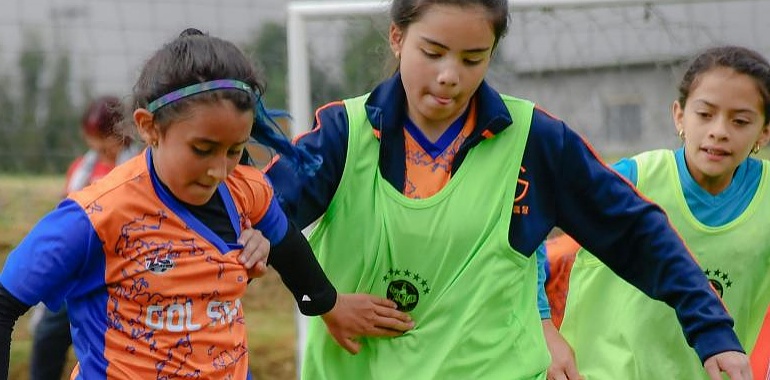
x: 205, y: 186
x: 715, y: 152
x: 442, y: 100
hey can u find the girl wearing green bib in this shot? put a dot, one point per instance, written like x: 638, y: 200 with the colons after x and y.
x: 434, y: 190
x: 717, y: 198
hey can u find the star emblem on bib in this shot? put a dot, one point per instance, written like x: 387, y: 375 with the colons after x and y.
x: 719, y: 279
x: 405, y: 287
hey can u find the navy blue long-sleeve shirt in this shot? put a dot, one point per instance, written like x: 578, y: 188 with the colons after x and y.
x: 562, y: 183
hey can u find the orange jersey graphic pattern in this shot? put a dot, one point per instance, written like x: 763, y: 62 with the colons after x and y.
x: 426, y: 175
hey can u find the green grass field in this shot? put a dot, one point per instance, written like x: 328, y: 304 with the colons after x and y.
x: 268, y: 305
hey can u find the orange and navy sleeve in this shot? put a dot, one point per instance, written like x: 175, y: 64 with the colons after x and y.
x: 263, y: 210
x: 305, y: 198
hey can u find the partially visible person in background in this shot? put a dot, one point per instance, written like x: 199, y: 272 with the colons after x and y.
x: 715, y: 195
x: 760, y: 357
x: 107, y: 148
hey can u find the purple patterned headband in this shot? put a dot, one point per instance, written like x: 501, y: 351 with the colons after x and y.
x: 197, y: 89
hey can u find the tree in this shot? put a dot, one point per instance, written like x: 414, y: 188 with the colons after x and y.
x: 368, y: 59
x: 59, y: 128
x: 7, y: 124
x: 31, y: 65
x: 268, y: 49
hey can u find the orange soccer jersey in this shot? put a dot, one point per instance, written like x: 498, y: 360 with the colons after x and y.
x: 429, y: 165
x: 154, y: 293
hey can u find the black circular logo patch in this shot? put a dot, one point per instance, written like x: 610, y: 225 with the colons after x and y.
x: 718, y: 286
x: 404, y: 294
x: 719, y: 279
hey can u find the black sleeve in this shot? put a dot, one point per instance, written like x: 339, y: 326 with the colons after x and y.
x: 10, y: 311
x: 294, y: 260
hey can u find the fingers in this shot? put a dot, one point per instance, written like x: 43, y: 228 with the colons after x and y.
x: 256, y: 248
x: 258, y: 270
x: 396, y: 325
x: 734, y: 364
x: 349, y: 345
x: 713, y: 372
x: 557, y: 376
x: 379, y: 332
x: 571, y: 371
x: 393, y: 313
x: 383, y: 302
x: 736, y: 374
x: 246, y: 223
x: 557, y: 372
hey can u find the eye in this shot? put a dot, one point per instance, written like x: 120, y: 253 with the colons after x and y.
x: 473, y: 61
x: 431, y: 54
x: 201, y: 152
x: 235, y: 152
x: 703, y: 114
x: 741, y: 122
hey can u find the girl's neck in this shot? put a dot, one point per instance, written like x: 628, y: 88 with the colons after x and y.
x: 433, y: 130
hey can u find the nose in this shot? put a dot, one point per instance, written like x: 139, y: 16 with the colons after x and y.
x: 719, y: 128
x: 218, y: 169
x: 448, y: 75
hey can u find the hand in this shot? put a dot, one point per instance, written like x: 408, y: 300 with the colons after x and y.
x: 357, y: 315
x: 256, y: 249
x: 735, y: 364
x: 563, y: 365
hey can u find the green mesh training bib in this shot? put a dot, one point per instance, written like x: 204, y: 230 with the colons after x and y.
x: 444, y: 259
x: 636, y: 337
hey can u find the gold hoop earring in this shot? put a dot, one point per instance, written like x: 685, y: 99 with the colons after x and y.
x: 755, y: 149
x: 681, y: 134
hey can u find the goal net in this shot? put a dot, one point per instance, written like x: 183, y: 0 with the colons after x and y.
x: 609, y: 68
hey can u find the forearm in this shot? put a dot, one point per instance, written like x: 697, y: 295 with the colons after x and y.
x: 293, y: 259
x: 10, y: 311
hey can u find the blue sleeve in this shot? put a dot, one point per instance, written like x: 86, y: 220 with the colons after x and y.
x: 542, y: 299
x: 57, y: 259
x: 628, y: 169
x: 306, y: 198
x: 273, y: 224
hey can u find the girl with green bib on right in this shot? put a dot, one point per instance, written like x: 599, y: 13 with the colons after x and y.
x: 716, y: 196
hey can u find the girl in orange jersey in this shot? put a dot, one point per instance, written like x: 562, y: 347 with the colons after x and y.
x: 146, y: 259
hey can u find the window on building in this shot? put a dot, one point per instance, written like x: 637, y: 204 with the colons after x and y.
x: 623, y: 122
